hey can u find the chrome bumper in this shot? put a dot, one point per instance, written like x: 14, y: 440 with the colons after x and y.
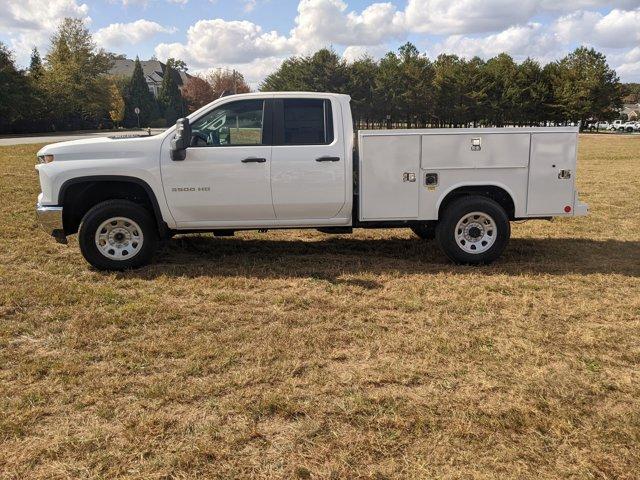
x: 50, y: 220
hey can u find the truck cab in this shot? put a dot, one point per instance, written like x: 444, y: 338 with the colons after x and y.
x: 286, y: 160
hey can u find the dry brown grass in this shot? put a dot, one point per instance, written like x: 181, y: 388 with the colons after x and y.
x: 301, y: 355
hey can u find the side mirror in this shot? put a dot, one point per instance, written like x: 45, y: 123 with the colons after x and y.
x: 181, y: 140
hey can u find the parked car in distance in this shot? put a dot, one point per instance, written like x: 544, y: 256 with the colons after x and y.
x: 615, y: 125
x: 261, y: 161
x: 629, y: 127
x: 593, y: 126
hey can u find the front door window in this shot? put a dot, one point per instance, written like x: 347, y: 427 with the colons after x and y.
x: 233, y: 124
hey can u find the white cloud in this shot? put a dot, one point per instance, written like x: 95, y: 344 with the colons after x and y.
x: 249, y: 5
x: 254, y: 72
x: 466, y: 16
x: 356, y: 52
x: 119, y: 34
x: 322, y: 23
x: 30, y: 23
x: 543, y: 29
x: 520, y: 41
x: 617, y: 29
x: 213, y: 42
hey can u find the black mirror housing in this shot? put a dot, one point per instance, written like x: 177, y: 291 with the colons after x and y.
x: 181, y: 140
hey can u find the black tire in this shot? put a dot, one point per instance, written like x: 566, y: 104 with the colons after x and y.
x: 456, y: 212
x: 102, y: 212
x: 425, y: 231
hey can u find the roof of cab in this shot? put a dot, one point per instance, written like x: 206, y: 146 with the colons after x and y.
x: 289, y: 94
x: 340, y: 97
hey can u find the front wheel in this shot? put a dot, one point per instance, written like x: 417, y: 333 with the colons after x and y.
x: 118, y: 235
x: 473, y: 230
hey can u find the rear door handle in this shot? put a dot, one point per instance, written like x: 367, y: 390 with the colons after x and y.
x: 328, y: 159
x: 254, y: 160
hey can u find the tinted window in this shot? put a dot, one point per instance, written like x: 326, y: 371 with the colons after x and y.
x: 235, y: 123
x: 307, y: 122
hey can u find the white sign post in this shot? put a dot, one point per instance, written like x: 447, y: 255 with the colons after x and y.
x: 137, y: 112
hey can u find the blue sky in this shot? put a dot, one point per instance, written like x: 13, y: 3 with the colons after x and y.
x: 254, y: 36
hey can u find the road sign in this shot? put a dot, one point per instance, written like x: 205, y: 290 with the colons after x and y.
x: 137, y: 110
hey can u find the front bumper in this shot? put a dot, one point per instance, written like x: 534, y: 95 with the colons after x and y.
x: 50, y: 220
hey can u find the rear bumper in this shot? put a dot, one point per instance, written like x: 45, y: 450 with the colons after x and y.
x: 50, y: 220
x: 580, y: 209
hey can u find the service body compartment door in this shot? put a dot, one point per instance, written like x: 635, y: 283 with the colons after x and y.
x: 389, y: 177
x: 552, y: 169
x: 477, y: 150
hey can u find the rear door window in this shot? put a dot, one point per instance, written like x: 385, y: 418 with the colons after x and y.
x: 307, y: 121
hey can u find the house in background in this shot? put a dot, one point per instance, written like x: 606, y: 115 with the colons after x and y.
x: 153, y: 71
x: 631, y: 110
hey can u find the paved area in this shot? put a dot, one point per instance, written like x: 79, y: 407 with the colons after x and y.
x: 63, y: 137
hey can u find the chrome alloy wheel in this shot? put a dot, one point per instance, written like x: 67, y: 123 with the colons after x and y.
x: 119, y: 238
x: 476, y: 232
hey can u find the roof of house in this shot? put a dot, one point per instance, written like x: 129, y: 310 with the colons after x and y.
x: 153, y: 70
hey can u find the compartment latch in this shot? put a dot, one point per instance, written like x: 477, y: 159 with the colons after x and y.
x: 408, y: 177
x: 564, y: 174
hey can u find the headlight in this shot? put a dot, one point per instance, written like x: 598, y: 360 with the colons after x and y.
x: 45, y: 158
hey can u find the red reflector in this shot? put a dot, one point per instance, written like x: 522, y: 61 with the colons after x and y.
x: 567, y: 209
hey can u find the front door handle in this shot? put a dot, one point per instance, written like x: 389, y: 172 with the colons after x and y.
x: 328, y: 159
x: 254, y: 160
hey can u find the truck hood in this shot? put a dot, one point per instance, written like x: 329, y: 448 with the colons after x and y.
x: 102, y: 148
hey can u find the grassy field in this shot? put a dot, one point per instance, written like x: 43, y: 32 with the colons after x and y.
x: 302, y: 355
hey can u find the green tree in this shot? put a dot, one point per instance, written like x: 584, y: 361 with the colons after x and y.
x: 417, y: 77
x: 35, y: 65
x: 532, y: 93
x: 75, y: 78
x: 449, y: 90
x: 139, y: 96
x: 586, y: 87
x: 388, y: 89
x: 169, y: 98
x: 361, y: 87
x: 501, y: 92
x: 177, y: 64
x: 324, y: 71
x: 16, y: 95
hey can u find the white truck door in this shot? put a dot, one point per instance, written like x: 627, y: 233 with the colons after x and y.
x: 225, y: 176
x: 308, y: 164
x: 389, y: 176
x: 552, y: 169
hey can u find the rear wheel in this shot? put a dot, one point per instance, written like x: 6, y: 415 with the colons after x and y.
x: 118, y: 235
x: 473, y: 230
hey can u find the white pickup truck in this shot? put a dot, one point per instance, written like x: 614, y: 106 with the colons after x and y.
x: 286, y: 160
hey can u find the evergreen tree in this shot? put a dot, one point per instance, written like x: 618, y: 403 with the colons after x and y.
x: 16, y: 95
x: 586, y: 87
x: 388, y: 89
x: 169, y: 98
x: 416, y: 80
x: 139, y: 96
x: 35, y: 66
x: 361, y: 87
x: 324, y: 71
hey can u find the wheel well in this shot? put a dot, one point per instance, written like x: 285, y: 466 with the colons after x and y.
x: 78, y: 197
x: 499, y: 195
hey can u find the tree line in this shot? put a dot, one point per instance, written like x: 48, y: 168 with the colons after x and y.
x: 406, y: 88
x: 72, y: 88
